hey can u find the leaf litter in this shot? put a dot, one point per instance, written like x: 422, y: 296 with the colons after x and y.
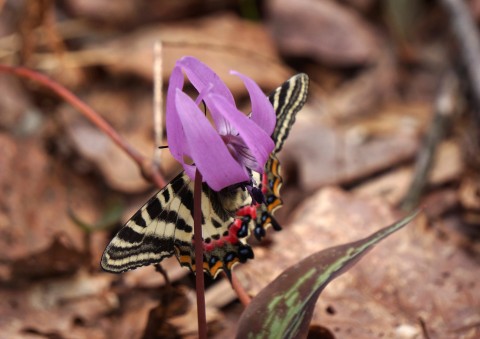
x: 368, y: 111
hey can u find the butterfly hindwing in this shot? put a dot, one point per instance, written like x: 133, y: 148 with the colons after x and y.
x: 148, y: 237
x: 287, y: 100
x: 164, y: 225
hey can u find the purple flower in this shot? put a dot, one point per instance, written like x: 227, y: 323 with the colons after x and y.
x: 226, y: 152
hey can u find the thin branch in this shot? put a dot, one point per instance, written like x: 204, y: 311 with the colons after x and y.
x: 91, y: 115
x: 198, y: 243
x: 157, y: 102
x: 445, y: 106
x: 424, y: 327
x: 466, y: 32
x: 240, y: 291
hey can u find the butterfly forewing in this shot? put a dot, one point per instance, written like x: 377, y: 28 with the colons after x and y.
x: 287, y: 100
x: 164, y: 225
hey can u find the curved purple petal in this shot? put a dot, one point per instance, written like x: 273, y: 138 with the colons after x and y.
x: 204, y: 79
x: 201, y: 76
x: 259, y: 143
x: 263, y: 113
x: 206, y: 148
x: 175, y: 134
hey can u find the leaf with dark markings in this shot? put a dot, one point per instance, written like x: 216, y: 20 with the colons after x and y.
x: 285, y: 307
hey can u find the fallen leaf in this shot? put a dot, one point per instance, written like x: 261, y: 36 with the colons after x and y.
x: 326, y: 31
x: 320, y: 152
x: 393, y: 186
x: 222, y: 41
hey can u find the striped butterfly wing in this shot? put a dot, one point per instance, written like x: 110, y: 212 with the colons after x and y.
x: 287, y: 100
x: 164, y: 225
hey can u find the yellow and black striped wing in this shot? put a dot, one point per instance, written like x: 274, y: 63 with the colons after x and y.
x: 287, y: 101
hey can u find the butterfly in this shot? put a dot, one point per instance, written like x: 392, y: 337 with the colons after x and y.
x: 163, y: 227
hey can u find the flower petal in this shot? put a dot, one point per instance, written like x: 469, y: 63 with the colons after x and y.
x: 263, y: 113
x: 207, y: 149
x: 175, y: 134
x: 255, y: 138
x: 204, y: 79
x: 202, y: 76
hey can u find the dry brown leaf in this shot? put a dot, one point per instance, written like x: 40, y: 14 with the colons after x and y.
x: 18, y: 113
x: 35, y: 200
x: 60, y: 258
x: 55, y: 306
x: 176, y: 315
x: 126, y: 12
x: 323, y: 30
x: 187, y: 322
x: 394, y: 185
x: 320, y: 152
x: 223, y: 42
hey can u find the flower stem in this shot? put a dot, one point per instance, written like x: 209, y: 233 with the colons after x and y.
x: 240, y: 291
x: 198, y: 242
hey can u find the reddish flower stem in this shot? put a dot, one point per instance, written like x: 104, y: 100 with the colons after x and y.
x: 240, y: 291
x: 89, y: 113
x: 198, y: 243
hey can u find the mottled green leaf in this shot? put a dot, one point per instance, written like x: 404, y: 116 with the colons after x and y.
x: 284, y: 308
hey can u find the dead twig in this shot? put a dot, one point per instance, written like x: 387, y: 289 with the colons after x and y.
x: 423, y: 325
x: 240, y: 291
x: 157, y: 102
x: 466, y: 33
x: 445, y: 106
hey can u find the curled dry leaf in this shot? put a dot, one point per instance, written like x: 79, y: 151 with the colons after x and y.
x: 324, y: 30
